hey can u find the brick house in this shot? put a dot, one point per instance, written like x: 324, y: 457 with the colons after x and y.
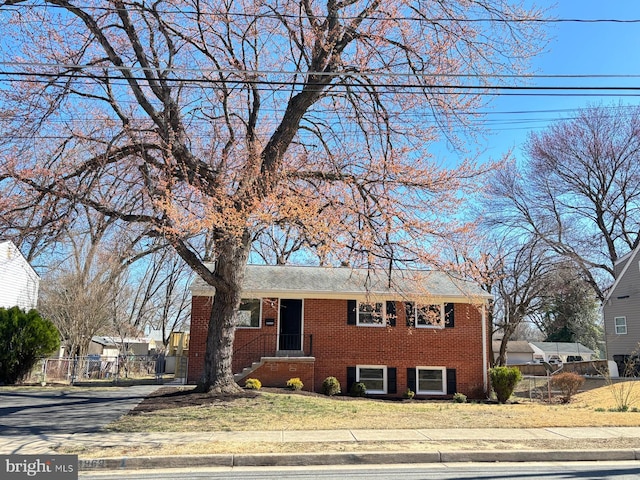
x: 422, y: 330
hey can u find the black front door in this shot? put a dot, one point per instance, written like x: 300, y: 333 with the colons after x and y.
x: 290, y: 325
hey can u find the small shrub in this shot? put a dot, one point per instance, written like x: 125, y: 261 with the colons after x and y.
x: 568, y: 383
x: 358, y: 389
x: 459, y: 398
x: 253, y: 384
x: 295, y: 384
x: 331, y: 386
x: 504, y: 381
x: 625, y: 394
x: 477, y: 392
x: 623, y: 408
x: 409, y: 394
x: 600, y: 409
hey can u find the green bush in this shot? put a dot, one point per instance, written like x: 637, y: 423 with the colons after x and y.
x: 568, y: 383
x: 358, y: 390
x: 504, y: 381
x: 295, y: 384
x: 24, y: 338
x: 459, y: 398
x: 253, y: 384
x: 409, y: 394
x: 331, y: 386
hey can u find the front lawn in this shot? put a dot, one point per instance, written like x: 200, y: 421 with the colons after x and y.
x: 178, y: 410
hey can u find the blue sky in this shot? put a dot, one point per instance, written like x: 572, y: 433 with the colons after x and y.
x: 574, y: 49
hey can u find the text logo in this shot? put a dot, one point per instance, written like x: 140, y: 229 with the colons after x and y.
x: 49, y: 467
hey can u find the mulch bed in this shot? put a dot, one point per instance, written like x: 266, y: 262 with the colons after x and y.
x: 176, y: 397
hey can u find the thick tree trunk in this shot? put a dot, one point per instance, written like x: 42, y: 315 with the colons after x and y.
x: 230, y: 266
x: 501, y: 361
x: 508, y: 330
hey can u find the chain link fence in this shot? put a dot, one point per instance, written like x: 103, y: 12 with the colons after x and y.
x: 95, y: 367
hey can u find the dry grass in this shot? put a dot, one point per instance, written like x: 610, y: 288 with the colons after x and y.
x: 211, y: 448
x: 290, y: 411
x: 281, y: 410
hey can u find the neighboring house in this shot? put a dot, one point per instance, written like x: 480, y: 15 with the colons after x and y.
x: 556, y: 352
x: 521, y: 352
x: 621, y: 312
x: 426, y: 331
x: 19, y: 283
x: 111, y: 347
x: 518, y: 352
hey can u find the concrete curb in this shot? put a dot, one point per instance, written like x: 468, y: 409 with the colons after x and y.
x: 354, y: 458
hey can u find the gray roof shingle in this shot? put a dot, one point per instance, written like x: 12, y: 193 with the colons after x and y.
x: 328, y: 282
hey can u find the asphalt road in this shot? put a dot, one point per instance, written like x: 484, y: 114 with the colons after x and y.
x: 478, y: 471
x: 86, y: 410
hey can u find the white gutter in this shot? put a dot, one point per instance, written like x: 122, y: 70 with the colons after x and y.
x: 485, y: 378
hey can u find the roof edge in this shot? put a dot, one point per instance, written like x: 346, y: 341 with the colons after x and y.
x: 632, y: 254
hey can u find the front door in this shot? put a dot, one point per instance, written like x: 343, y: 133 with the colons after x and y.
x: 290, y: 325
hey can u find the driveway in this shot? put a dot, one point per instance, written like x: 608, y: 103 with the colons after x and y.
x: 66, y: 411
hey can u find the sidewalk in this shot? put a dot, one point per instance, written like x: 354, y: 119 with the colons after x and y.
x: 34, y: 444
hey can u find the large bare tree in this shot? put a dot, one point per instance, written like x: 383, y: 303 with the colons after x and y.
x: 515, y: 269
x: 223, y: 116
x: 579, y: 190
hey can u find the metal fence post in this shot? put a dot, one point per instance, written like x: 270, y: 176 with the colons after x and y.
x: 44, y: 372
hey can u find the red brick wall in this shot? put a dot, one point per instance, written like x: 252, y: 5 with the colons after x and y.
x: 200, y: 311
x: 337, y: 345
x: 276, y: 372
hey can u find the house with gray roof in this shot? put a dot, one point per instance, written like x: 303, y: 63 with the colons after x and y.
x: 521, y: 352
x: 621, y: 314
x: 554, y: 352
x: 420, y: 330
x: 518, y: 352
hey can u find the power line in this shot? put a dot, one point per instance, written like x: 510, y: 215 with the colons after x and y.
x: 355, y: 74
x: 406, y: 88
x: 269, y: 14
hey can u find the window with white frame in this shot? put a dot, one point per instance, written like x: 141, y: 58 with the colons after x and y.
x: 425, y: 316
x: 373, y: 376
x: 620, y: 325
x: 431, y: 380
x: 371, y: 313
x: 249, y: 313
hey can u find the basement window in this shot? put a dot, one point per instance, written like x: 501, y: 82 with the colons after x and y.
x: 374, y: 377
x: 431, y: 380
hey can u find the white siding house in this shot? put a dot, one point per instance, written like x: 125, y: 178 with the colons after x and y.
x: 19, y: 283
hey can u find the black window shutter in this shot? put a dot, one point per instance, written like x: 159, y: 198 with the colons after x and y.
x: 391, y: 313
x: 411, y: 379
x: 351, y: 312
x: 408, y: 311
x: 448, y: 315
x: 451, y: 381
x: 392, y: 382
x: 351, y: 378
